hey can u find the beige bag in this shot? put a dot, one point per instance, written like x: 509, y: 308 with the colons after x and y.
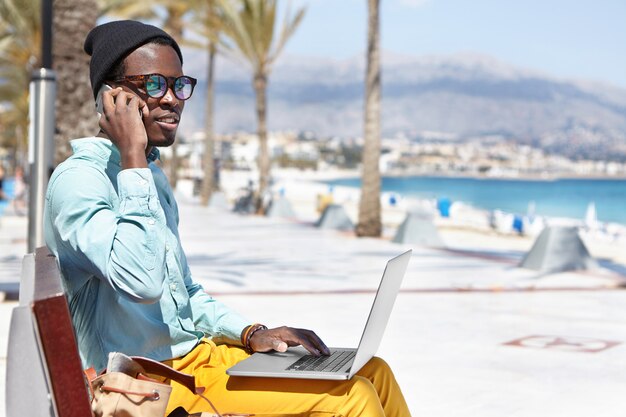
x: 125, y: 390
x: 116, y: 394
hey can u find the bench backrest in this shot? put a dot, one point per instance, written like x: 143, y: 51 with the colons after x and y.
x: 42, y: 344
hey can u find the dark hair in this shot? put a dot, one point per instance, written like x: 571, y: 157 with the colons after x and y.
x: 119, y: 69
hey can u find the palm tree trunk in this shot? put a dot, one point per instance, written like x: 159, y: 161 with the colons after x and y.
x: 174, y: 26
x: 207, y: 182
x: 369, y: 207
x: 260, y: 89
x: 75, y: 114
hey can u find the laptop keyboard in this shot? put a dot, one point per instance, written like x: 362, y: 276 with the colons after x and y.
x: 332, y: 363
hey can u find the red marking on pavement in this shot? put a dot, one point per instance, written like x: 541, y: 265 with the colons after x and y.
x: 563, y: 343
x: 410, y: 291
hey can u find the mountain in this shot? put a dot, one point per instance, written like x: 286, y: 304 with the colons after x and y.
x: 461, y: 96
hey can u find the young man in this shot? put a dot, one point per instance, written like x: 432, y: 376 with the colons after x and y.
x: 112, y: 221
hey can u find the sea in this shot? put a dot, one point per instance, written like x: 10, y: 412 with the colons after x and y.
x: 562, y: 198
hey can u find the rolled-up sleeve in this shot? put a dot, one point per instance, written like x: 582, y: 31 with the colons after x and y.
x: 123, y: 245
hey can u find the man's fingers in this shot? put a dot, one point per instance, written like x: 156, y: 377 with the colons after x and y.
x: 313, y: 343
x: 109, y: 96
x: 321, y: 346
x: 143, y: 108
x: 308, y: 346
x: 118, y: 97
x: 108, y: 99
x: 279, y: 346
x: 136, y: 102
x: 279, y: 339
x: 309, y: 340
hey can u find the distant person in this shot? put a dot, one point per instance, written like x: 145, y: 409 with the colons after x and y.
x: 111, y: 219
x: 19, y: 200
x: 2, y: 193
x: 244, y: 204
x: 518, y: 224
x: 324, y: 200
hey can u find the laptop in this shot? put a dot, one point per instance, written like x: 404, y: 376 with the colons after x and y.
x: 343, y: 363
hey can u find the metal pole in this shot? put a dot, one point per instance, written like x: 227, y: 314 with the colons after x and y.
x: 46, y: 33
x: 40, y: 150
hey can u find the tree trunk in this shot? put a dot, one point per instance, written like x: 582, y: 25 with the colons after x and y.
x: 260, y: 89
x: 174, y: 26
x: 369, y: 207
x: 75, y: 107
x: 207, y: 183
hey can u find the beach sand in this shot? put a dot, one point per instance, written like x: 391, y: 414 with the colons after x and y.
x: 451, y: 338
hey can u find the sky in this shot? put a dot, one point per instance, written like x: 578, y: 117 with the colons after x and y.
x: 572, y: 39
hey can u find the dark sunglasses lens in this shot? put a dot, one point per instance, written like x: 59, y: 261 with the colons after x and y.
x: 183, y: 88
x: 156, y: 86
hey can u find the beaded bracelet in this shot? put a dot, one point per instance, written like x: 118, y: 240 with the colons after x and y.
x: 244, y: 333
x: 248, y: 336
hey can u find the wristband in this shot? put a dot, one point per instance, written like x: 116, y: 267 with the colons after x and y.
x: 244, y: 333
x: 248, y: 336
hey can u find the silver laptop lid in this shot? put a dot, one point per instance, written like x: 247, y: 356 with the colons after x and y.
x: 381, y: 310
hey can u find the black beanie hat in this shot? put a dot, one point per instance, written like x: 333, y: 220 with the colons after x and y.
x: 111, y: 42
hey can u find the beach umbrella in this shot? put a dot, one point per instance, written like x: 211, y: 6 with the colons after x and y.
x: 280, y: 207
x: 418, y: 229
x: 443, y: 205
x: 218, y: 200
x: 518, y: 224
x: 558, y: 249
x: 335, y: 217
x: 591, y: 217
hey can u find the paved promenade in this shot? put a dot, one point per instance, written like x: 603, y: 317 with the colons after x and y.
x: 470, y: 335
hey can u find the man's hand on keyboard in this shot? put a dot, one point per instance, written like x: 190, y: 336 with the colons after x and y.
x: 280, y: 338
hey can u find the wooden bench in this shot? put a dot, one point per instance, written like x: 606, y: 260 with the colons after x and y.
x: 44, y: 371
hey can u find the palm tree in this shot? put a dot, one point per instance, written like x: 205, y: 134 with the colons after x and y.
x: 75, y: 115
x: 208, y: 17
x: 250, y: 28
x: 20, y: 54
x: 369, y: 206
x: 173, y: 25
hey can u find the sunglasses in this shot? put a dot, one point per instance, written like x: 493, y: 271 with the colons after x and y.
x: 156, y: 85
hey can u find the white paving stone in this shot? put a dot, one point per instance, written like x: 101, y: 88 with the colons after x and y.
x: 446, y: 337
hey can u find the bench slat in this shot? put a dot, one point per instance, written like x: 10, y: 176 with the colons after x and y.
x: 57, y: 338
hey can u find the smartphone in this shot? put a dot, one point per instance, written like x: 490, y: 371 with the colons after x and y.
x: 99, y: 105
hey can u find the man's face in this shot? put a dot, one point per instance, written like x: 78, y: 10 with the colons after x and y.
x: 165, y: 112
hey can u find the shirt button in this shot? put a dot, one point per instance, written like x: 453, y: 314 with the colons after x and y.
x: 167, y: 248
x: 151, y: 221
x: 173, y: 287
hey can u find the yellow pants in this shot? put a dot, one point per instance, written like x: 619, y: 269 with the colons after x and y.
x: 373, y: 391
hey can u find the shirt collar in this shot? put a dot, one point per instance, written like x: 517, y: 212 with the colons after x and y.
x: 154, y: 154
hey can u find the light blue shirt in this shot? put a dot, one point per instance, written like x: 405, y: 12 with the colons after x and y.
x: 115, y: 235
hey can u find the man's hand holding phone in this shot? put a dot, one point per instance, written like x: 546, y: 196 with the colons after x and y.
x: 122, y: 115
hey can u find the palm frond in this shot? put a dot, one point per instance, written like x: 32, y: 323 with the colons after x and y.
x: 20, y: 51
x: 250, y: 29
x: 138, y: 9
x: 288, y: 28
